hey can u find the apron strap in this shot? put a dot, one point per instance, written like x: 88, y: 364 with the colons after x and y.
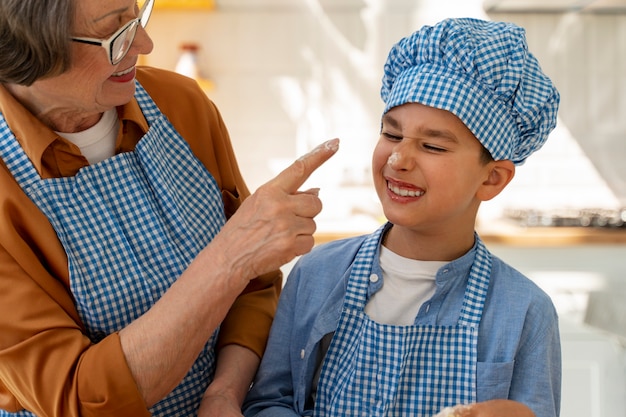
x: 475, y: 293
x: 20, y: 165
x: 148, y: 107
x: 477, y: 287
x: 362, y: 267
x: 15, y: 158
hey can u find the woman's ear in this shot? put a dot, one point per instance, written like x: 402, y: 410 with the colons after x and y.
x: 500, y: 173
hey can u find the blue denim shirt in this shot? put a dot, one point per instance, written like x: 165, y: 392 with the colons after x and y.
x: 519, y: 353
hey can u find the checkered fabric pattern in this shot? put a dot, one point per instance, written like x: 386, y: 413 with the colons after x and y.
x: 374, y: 369
x: 151, y: 212
x: 482, y: 72
x: 478, y: 286
x: 14, y: 158
x: 130, y: 225
x: 335, y: 378
x: 18, y: 414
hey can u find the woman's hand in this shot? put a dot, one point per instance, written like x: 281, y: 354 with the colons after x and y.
x: 491, y: 408
x: 275, y: 224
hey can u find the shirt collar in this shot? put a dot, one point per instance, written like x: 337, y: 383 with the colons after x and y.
x: 32, y: 135
x: 35, y: 137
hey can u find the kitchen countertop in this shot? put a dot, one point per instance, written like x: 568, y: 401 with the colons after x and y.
x: 511, y: 235
x: 556, y: 236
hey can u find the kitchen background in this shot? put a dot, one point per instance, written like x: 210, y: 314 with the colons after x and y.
x: 289, y: 74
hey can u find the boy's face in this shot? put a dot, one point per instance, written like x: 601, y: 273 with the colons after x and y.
x: 427, y: 170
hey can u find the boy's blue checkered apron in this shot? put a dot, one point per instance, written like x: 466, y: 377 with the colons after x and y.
x: 374, y: 369
x: 130, y: 226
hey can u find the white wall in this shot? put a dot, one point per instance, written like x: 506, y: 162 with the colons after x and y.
x: 289, y: 74
x: 585, y: 54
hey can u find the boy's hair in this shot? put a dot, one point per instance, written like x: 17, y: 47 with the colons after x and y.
x: 485, y: 156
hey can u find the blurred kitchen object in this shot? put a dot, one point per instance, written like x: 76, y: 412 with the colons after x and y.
x: 188, y: 65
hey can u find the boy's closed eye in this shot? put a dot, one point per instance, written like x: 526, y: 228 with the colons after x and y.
x: 425, y: 145
x: 433, y: 148
x: 392, y: 136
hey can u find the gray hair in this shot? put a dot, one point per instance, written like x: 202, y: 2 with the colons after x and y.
x: 34, y: 39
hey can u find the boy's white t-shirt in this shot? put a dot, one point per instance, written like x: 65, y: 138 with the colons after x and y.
x: 407, y: 284
x: 98, y: 142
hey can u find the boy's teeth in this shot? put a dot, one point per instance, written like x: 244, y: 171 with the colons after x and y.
x: 404, y: 192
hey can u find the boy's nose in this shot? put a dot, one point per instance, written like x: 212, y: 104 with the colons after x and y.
x: 393, y: 158
x: 400, y: 160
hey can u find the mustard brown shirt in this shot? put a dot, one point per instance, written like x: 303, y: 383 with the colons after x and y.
x: 47, y: 363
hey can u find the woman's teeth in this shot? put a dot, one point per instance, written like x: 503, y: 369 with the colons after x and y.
x: 126, y: 71
x: 403, y: 192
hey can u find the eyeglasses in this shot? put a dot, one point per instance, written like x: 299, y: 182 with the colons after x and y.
x: 118, y: 45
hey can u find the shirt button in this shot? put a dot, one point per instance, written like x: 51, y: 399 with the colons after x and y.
x: 374, y: 278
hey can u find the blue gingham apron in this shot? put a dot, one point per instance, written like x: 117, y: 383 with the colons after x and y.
x: 130, y: 226
x: 374, y: 369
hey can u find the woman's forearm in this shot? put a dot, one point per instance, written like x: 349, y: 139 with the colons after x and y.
x: 162, y: 345
x: 236, y: 367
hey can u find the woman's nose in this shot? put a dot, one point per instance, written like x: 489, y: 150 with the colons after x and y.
x: 142, y: 43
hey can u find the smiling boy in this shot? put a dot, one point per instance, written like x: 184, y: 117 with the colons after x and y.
x: 419, y: 316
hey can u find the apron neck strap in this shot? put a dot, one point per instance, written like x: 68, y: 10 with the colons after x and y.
x: 475, y: 293
x: 20, y: 165
x: 146, y: 104
x: 15, y: 158
x: 361, y: 269
x: 477, y: 286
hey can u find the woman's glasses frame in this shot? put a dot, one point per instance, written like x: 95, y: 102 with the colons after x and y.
x: 118, y: 45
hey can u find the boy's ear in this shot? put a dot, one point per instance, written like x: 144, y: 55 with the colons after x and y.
x: 500, y: 174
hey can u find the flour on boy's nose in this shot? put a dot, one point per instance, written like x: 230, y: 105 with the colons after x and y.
x: 393, y: 158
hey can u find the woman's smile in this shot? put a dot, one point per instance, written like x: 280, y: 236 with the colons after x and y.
x: 124, y: 76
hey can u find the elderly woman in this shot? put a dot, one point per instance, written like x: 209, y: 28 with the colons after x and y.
x: 125, y: 240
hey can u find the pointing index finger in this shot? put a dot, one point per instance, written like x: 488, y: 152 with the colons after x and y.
x: 292, y: 177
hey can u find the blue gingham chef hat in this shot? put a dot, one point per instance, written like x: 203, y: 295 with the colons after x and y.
x: 482, y: 72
